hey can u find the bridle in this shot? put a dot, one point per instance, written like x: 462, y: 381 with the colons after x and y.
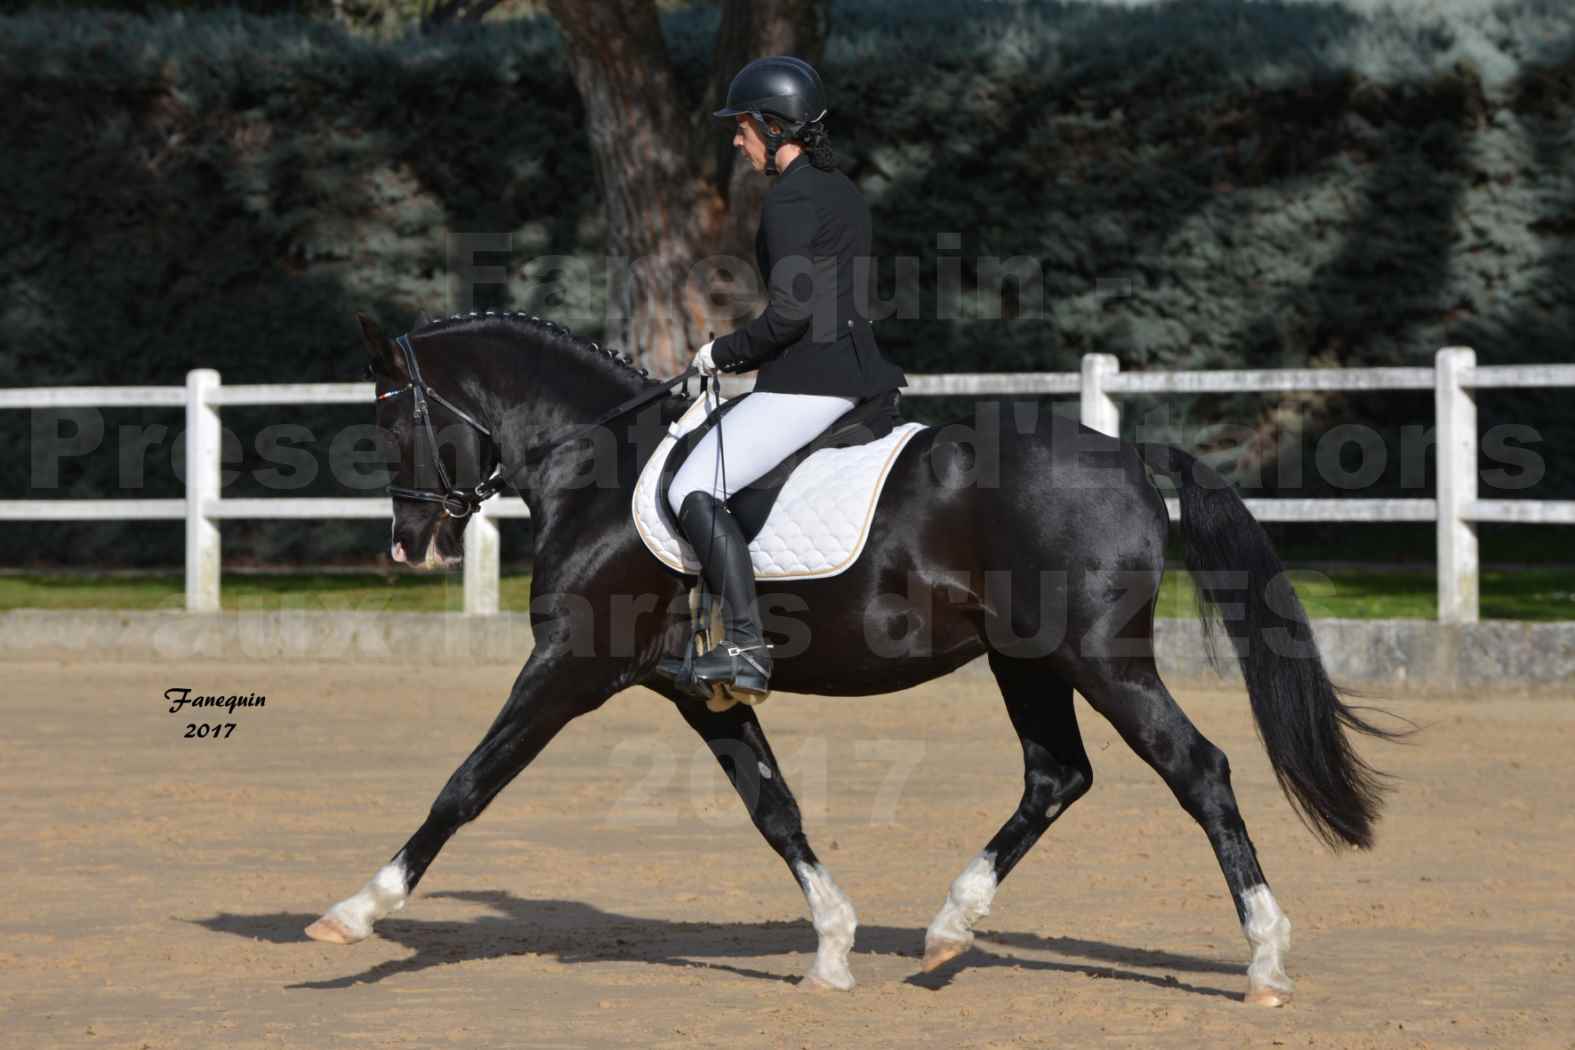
x: 459, y: 502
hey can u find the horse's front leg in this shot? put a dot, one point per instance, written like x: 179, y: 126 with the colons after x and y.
x: 736, y: 738
x: 550, y: 691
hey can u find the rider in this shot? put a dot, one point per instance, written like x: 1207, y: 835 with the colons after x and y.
x: 816, y: 352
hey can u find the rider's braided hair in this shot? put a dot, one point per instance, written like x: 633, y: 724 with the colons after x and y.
x: 817, y: 143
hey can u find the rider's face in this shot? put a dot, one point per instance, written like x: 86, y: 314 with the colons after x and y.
x: 746, y: 137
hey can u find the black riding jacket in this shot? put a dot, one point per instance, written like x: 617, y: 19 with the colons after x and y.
x: 813, y: 249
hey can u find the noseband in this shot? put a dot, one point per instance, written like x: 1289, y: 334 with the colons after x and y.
x: 457, y: 502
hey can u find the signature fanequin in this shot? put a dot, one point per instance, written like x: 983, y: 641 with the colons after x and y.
x: 180, y: 697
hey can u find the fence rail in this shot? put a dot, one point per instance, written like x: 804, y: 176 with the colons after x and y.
x: 1455, y: 510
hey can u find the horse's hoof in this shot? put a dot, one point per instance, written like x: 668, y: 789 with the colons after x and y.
x: 1266, y: 996
x: 330, y: 930
x: 939, y: 953
x: 814, y: 982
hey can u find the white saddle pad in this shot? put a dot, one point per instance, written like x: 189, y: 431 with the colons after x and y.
x: 819, y: 523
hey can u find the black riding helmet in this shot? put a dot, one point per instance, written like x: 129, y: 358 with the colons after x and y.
x: 782, y: 89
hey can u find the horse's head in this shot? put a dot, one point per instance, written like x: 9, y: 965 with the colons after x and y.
x: 445, y: 450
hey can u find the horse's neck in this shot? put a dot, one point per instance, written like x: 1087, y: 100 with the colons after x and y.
x: 549, y: 397
x: 537, y: 392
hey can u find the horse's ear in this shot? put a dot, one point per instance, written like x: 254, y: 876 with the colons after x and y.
x: 380, y: 349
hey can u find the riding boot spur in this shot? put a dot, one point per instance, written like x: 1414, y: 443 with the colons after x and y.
x: 742, y: 662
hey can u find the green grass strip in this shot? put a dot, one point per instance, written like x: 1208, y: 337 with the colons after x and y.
x: 359, y: 592
x: 1378, y: 594
x: 1529, y: 594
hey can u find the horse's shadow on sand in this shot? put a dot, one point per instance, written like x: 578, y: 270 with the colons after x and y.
x: 573, y: 932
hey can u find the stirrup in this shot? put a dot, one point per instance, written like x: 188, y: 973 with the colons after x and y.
x: 748, y: 682
x: 718, y: 694
x: 680, y: 669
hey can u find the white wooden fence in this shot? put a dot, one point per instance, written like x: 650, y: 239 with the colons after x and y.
x: 1455, y: 509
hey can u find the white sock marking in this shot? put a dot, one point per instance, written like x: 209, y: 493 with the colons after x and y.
x: 1269, y: 934
x: 967, y: 902
x: 381, y: 896
x: 834, y: 919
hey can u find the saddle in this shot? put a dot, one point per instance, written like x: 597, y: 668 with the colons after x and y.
x: 866, y: 422
x: 807, y: 518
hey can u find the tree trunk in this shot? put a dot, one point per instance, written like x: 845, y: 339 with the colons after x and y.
x: 653, y: 155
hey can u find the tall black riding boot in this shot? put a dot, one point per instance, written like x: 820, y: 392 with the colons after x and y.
x: 742, y: 663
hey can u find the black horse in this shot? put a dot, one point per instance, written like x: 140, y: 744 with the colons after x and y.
x: 1022, y: 537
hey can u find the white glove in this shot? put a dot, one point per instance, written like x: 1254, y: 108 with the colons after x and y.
x: 703, y: 360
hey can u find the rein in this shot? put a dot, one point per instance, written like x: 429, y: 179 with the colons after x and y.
x: 459, y: 502
x: 551, y: 442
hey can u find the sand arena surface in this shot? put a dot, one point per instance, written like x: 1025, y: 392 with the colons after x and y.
x: 155, y: 887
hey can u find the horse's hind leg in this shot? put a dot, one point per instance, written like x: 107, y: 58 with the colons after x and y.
x: 545, y: 698
x: 1056, y: 773
x: 1130, y: 694
x: 739, y: 743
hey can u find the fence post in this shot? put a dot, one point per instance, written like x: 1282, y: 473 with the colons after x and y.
x: 1456, y: 415
x: 204, y: 451
x: 1097, y: 408
x: 481, y: 564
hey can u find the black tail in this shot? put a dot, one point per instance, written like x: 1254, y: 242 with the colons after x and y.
x: 1299, y: 713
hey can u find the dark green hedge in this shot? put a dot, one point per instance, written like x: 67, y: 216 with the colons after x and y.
x: 1266, y: 185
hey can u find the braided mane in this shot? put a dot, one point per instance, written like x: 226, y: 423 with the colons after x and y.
x: 550, y: 332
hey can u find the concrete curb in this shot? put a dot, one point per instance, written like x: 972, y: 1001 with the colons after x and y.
x: 1422, y: 653
x: 1396, y: 653
x: 403, y: 639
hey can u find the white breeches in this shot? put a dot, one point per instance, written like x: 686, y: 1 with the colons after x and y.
x: 757, y: 435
